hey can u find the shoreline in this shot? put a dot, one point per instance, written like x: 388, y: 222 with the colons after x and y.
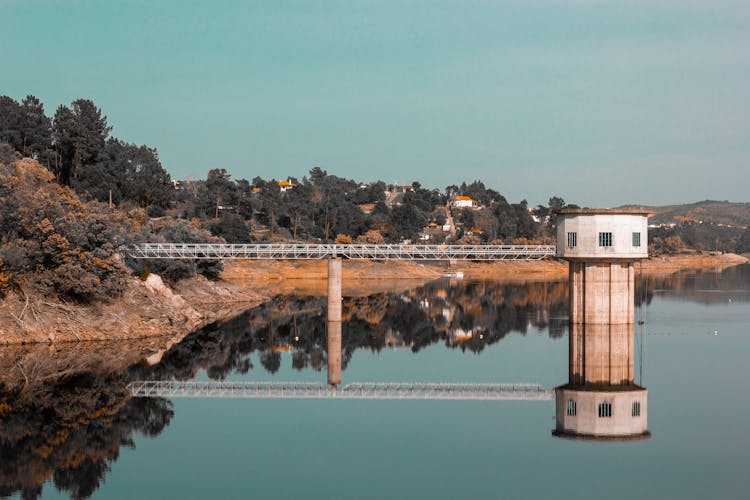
x: 160, y: 316
x: 289, y: 274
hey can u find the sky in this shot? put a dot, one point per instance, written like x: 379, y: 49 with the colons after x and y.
x: 601, y: 102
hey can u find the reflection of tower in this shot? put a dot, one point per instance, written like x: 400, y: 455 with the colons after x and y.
x: 601, y: 400
x: 334, y: 321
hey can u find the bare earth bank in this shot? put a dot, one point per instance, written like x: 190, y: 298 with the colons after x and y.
x: 147, y: 309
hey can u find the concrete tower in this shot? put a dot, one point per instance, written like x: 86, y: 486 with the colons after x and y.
x: 601, y: 399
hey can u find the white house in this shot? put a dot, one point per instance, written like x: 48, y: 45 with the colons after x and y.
x: 464, y: 202
x: 285, y: 186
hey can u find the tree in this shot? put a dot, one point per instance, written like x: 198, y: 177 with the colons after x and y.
x: 145, y: 181
x: 556, y: 203
x: 407, y: 221
x: 133, y: 173
x: 10, y: 123
x: 36, y: 129
x: 525, y: 225
x: 232, y: 228
x: 80, y: 133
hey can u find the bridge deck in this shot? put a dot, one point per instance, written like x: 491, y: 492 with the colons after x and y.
x: 359, y: 390
x: 294, y: 251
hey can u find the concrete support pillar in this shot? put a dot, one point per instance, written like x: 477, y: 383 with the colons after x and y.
x: 334, y: 289
x: 335, y: 278
x: 334, y: 352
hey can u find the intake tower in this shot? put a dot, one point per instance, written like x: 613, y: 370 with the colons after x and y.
x: 601, y: 399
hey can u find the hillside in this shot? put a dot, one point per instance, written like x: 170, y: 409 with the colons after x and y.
x: 709, y: 211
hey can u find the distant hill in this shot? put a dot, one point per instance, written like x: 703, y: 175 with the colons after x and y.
x: 709, y: 211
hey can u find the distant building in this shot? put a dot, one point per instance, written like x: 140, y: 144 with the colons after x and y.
x: 464, y: 202
x: 285, y: 186
x: 396, y: 188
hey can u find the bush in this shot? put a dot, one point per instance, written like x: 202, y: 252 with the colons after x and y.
x: 173, y: 270
x: 55, y: 242
x: 372, y: 237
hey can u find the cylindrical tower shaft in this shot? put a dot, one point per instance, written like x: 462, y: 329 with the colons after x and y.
x: 602, y: 354
x: 602, y: 292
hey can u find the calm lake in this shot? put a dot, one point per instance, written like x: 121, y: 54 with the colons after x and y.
x: 84, y: 436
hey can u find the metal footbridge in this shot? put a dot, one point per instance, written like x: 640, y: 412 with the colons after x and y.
x: 296, y: 251
x: 354, y: 390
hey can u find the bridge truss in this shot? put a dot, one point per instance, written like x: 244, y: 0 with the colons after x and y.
x: 357, y: 390
x: 295, y: 251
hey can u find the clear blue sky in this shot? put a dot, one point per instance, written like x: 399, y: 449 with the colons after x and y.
x: 603, y: 103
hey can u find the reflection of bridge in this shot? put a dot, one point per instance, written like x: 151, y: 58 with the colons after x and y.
x: 292, y: 251
x: 357, y: 390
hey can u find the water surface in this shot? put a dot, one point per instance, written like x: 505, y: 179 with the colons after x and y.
x: 82, y: 435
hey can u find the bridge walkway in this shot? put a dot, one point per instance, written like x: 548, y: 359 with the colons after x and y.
x: 296, y: 251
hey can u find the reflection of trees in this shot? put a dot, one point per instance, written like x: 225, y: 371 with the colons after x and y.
x: 436, y: 313
x: 70, y: 430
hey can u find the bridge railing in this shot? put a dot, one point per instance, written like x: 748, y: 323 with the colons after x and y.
x: 295, y: 251
x: 355, y: 390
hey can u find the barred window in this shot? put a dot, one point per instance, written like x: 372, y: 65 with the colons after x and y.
x: 605, y: 239
x: 572, y: 239
x: 571, y: 407
x: 636, y: 239
x: 636, y: 408
x: 605, y: 410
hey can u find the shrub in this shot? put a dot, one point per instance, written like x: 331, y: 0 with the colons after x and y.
x: 58, y: 243
x: 343, y: 239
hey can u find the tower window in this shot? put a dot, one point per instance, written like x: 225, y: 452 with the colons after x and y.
x: 571, y: 407
x: 636, y: 239
x: 605, y: 239
x: 636, y: 408
x: 572, y: 239
x: 605, y: 410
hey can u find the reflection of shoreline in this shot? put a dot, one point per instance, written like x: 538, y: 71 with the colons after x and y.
x: 414, y: 319
x: 65, y: 413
